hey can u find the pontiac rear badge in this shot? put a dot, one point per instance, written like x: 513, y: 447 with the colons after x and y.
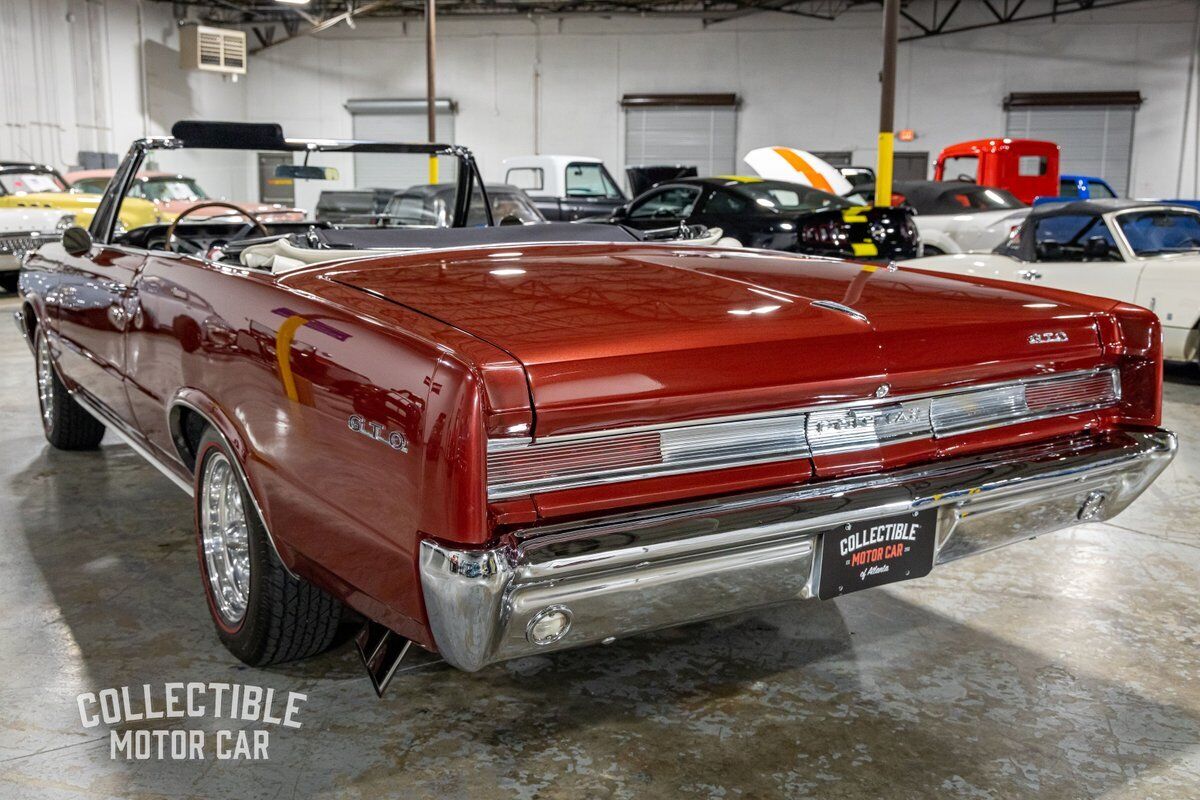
x: 1047, y: 337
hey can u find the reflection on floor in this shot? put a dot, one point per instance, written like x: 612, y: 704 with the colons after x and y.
x: 1064, y: 667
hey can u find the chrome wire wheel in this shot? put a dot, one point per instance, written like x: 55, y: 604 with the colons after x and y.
x: 45, y: 381
x: 225, y: 535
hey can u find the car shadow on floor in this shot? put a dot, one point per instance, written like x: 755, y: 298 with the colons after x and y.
x: 871, y: 695
x: 1183, y: 374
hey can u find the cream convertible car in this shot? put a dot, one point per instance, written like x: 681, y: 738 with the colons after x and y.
x: 1141, y: 252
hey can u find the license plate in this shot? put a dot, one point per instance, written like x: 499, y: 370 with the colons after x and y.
x: 877, y: 551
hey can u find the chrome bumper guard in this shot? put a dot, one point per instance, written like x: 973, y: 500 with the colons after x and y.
x: 591, y: 581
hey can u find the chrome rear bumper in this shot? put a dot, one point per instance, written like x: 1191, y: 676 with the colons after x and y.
x: 618, y: 575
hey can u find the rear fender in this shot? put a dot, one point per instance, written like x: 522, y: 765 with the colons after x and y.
x: 194, y: 401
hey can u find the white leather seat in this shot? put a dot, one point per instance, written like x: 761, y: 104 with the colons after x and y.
x: 281, y: 256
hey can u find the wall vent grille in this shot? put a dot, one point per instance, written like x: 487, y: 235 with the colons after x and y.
x: 212, y: 49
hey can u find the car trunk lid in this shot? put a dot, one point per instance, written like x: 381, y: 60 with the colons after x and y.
x: 624, y: 335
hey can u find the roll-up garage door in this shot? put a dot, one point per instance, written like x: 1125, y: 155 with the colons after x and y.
x: 690, y: 133
x: 1092, y: 140
x: 398, y: 120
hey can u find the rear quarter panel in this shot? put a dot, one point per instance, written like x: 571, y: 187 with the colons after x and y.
x: 328, y: 404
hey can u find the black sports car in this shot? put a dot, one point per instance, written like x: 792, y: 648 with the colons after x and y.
x: 776, y: 215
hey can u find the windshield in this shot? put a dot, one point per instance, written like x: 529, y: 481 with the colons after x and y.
x: 429, y: 209
x: 1160, y: 231
x: 167, y: 189
x: 591, y: 180
x: 235, y: 176
x: 90, y: 186
x: 961, y: 168
x: 779, y: 196
x: 506, y: 205
x: 418, y: 209
x: 29, y: 182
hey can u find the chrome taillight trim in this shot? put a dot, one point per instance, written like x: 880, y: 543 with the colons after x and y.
x: 1030, y: 415
x: 751, y: 439
x: 688, y: 448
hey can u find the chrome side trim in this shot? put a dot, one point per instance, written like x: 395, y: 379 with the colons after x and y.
x: 624, y: 574
x: 135, y: 441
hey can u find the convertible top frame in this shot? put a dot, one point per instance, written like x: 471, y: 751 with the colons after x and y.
x: 268, y: 136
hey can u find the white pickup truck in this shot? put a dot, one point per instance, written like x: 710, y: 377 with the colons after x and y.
x: 565, y: 188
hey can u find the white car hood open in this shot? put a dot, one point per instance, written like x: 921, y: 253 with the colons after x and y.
x: 797, y: 166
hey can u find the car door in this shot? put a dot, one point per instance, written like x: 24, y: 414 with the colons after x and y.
x: 730, y: 212
x: 590, y: 191
x: 1068, y: 255
x: 92, y: 307
x: 174, y: 323
x: 664, y: 207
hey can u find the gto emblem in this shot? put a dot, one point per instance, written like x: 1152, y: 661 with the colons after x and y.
x: 1047, y: 337
x: 373, y: 430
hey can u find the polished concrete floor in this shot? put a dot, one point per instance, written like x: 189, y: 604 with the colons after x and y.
x: 1065, y: 667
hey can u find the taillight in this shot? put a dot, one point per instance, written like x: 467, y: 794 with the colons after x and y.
x: 826, y: 232
x: 517, y: 467
x: 1133, y: 337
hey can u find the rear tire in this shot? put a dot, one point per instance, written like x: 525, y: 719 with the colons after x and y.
x: 66, y: 425
x: 930, y: 250
x: 9, y: 281
x: 263, y: 614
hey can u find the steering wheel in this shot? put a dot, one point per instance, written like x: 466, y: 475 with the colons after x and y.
x: 253, y: 220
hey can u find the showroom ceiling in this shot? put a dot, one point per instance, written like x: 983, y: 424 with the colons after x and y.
x: 277, y: 10
x: 924, y: 18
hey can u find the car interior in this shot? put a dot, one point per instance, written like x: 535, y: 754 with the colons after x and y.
x: 292, y: 245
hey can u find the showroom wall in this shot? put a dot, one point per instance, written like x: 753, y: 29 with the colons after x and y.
x: 554, y: 85
x: 73, y: 80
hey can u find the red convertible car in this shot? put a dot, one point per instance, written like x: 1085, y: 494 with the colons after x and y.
x: 505, y: 440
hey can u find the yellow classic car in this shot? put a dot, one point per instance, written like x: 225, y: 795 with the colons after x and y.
x: 24, y: 185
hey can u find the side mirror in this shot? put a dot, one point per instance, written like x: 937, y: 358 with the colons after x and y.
x: 77, y: 241
x: 621, y: 212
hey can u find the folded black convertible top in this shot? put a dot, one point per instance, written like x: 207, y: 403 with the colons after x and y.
x: 386, y: 238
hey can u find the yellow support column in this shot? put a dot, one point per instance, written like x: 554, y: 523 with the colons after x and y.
x: 883, y: 169
x: 887, y: 103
